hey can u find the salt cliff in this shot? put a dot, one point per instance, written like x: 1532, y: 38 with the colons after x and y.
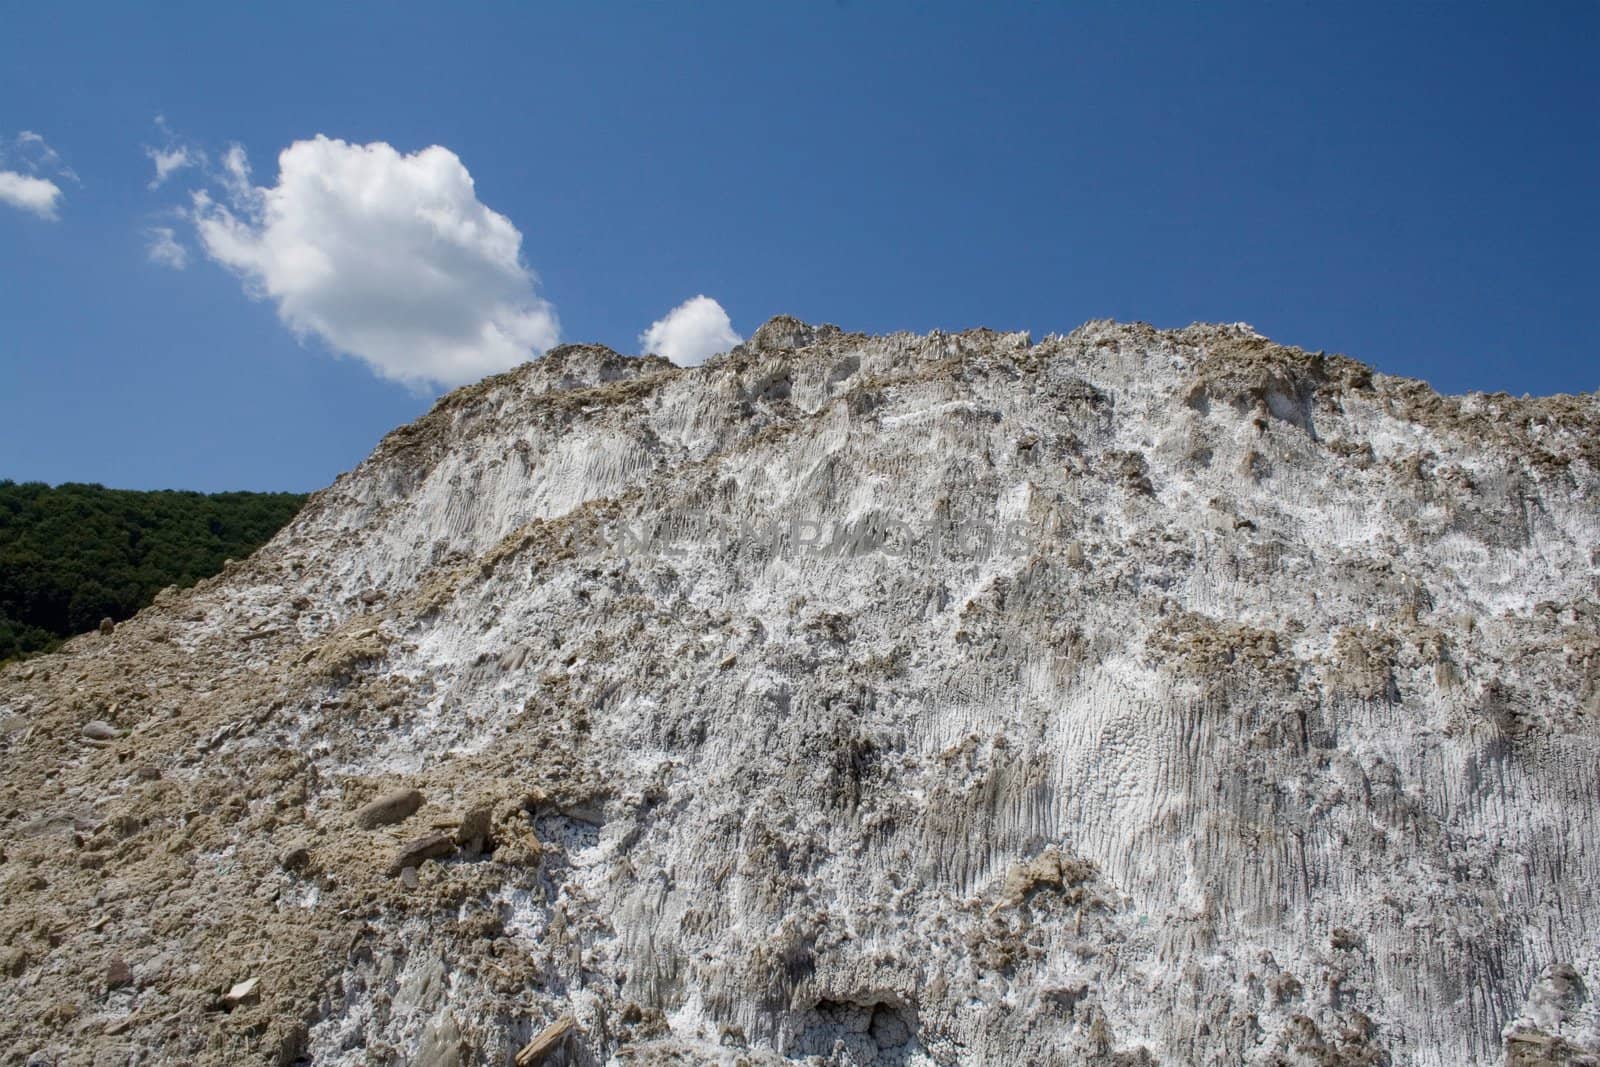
x: 1128, y: 697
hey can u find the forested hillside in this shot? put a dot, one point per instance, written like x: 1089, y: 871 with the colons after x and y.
x: 74, y: 554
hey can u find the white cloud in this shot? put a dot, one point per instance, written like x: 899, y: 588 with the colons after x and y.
x: 39, y: 156
x: 38, y: 195
x: 168, y: 161
x: 691, y: 333
x: 163, y: 248
x: 25, y: 187
x: 175, y: 156
x: 236, y: 167
x: 387, y: 257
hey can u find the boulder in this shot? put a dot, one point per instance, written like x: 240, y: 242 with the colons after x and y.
x: 415, y: 853
x: 546, y: 1041
x: 118, y: 973
x: 393, y: 807
x: 473, y: 833
x: 242, y: 992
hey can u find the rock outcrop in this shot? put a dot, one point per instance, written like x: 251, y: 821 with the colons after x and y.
x: 1129, y: 697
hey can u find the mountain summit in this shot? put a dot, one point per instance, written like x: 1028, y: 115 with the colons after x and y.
x: 1128, y: 697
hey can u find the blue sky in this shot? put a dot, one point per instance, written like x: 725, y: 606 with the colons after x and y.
x: 1414, y: 185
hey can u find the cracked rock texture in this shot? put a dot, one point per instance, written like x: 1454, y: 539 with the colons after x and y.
x: 1130, y: 697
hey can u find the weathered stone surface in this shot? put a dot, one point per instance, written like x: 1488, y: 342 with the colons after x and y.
x: 442, y: 1045
x: 13, y: 961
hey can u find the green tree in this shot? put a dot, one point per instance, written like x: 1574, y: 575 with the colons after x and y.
x: 74, y: 554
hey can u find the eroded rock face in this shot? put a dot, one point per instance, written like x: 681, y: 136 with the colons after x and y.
x: 1131, y: 697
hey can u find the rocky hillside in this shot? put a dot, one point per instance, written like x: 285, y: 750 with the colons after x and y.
x: 1132, y: 697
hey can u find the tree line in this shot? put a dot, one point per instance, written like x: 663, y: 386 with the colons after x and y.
x: 73, y: 554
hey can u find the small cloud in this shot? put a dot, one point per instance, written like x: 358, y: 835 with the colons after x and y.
x: 38, y: 195
x: 163, y: 248
x: 40, y: 158
x: 173, y: 156
x: 236, y: 169
x: 30, y: 181
x: 168, y: 162
x: 691, y: 333
x: 387, y: 257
